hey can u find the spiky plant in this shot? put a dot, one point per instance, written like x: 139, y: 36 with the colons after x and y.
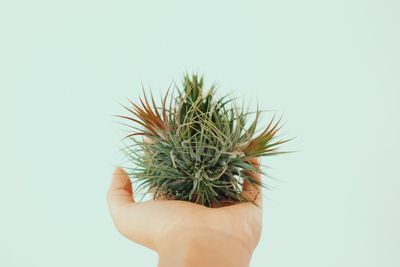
x: 197, y: 147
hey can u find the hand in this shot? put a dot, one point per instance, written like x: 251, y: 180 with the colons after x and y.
x: 185, y: 233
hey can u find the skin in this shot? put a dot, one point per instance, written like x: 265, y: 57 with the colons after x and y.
x: 188, y: 234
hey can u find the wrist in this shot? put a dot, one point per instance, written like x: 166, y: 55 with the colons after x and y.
x: 210, y: 249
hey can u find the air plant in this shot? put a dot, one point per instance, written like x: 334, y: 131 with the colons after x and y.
x: 197, y: 147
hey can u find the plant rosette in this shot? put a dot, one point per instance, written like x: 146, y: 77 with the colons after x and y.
x: 195, y: 146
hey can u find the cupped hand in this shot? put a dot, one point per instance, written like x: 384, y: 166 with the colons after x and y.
x: 162, y: 225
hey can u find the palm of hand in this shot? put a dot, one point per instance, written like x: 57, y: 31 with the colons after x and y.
x: 159, y: 223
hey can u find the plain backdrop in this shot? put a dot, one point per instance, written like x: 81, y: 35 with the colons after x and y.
x: 332, y: 68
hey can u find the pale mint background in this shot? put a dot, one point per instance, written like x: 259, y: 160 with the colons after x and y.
x: 332, y: 68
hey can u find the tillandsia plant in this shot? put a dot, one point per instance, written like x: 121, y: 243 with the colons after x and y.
x: 195, y: 146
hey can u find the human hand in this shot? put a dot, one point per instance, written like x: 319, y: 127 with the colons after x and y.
x: 185, y: 233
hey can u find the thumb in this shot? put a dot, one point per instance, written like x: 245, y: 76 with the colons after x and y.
x: 120, y: 191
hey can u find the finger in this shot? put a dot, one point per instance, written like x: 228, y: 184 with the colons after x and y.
x: 252, y: 191
x: 120, y: 191
x: 130, y: 220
